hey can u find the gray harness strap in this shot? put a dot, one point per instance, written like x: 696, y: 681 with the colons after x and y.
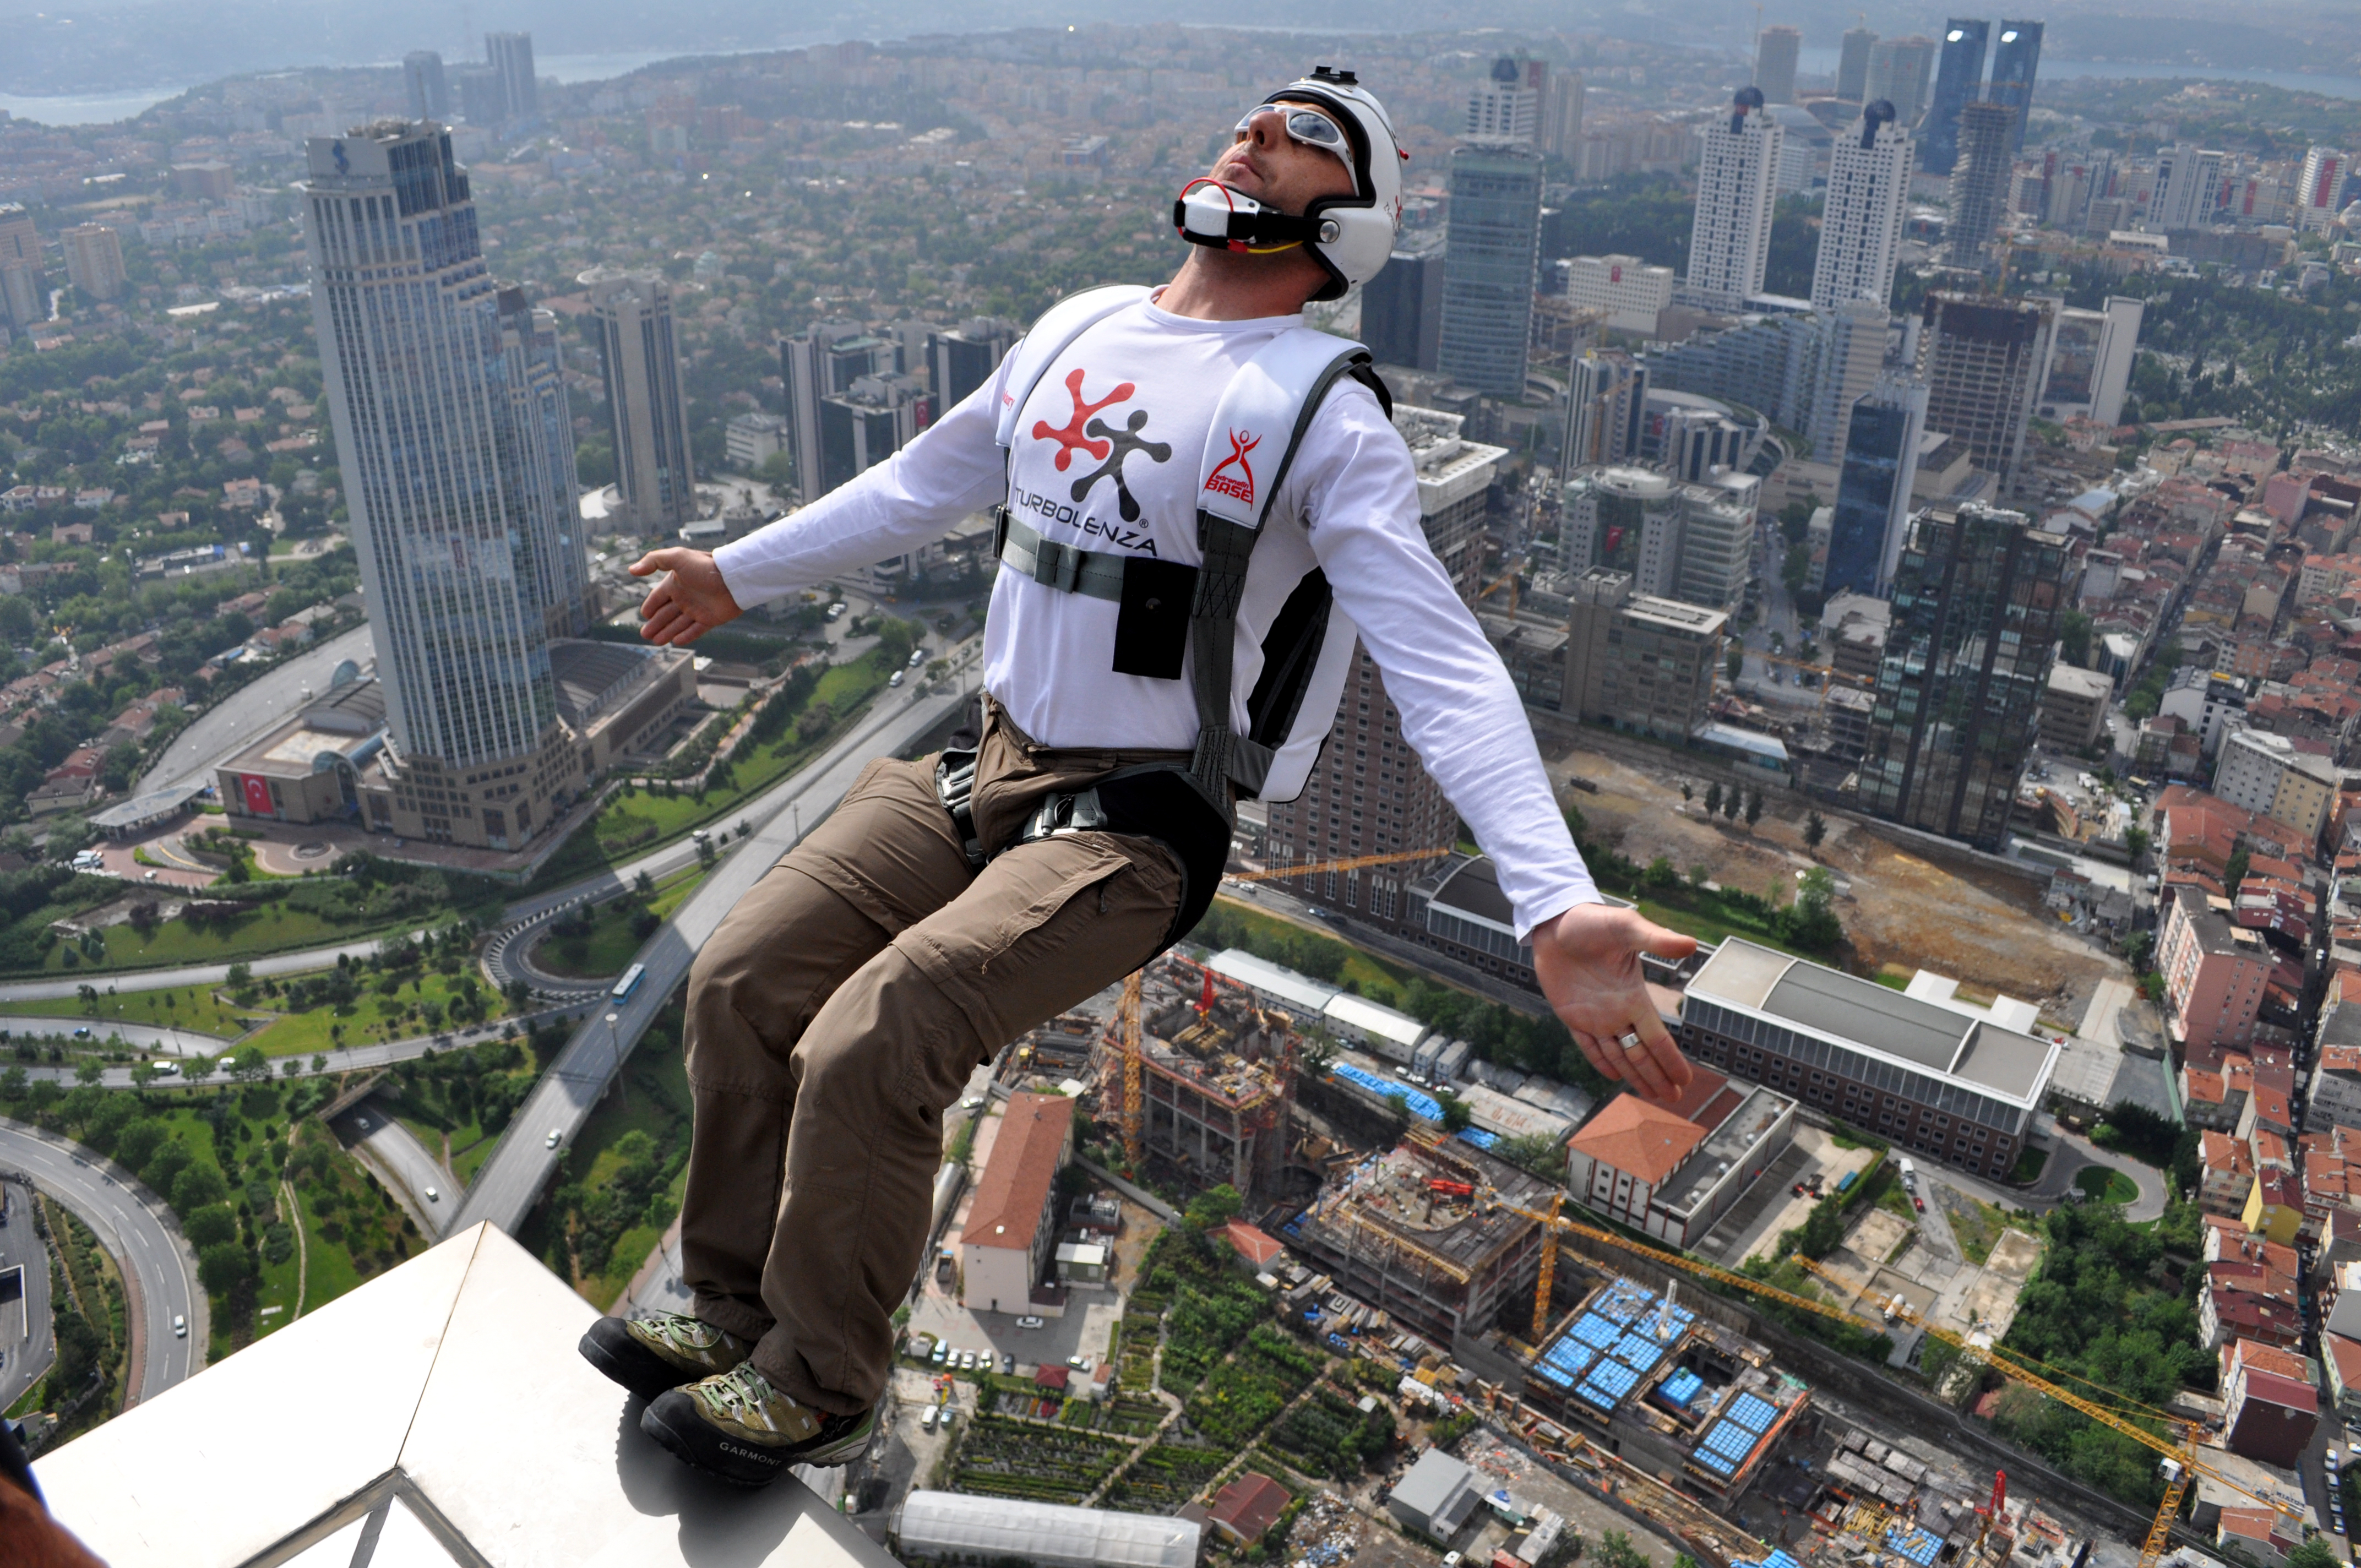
x: 1095, y: 574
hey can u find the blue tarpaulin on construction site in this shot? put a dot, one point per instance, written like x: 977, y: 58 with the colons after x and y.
x: 1608, y: 1383
x: 1714, y: 1461
x: 1420, y: 1104
x: 1752, y: 1411
x: 1623, y: 1300
x: 1638, y: 1350
x: 1595, y: 1331
x: 1681, y: 1386
x: 1914, y: 1544
x: 1570, y: 1353
x: 1558, y: 1375
x: 1481, y: 1139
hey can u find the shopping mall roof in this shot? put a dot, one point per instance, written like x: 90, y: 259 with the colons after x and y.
x: 380, y: 1416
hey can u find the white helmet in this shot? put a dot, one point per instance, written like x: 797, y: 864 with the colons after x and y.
x: 1349, y: 235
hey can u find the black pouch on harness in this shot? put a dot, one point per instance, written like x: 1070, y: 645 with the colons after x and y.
x: 1151, y: 626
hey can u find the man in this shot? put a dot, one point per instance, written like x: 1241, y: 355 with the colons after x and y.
x: 844, y: 1002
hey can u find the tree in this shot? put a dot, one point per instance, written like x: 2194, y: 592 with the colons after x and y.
x: 89, y: 995
x: 1713, y: 798
x: 1660, y: 873
x: 87, y: 1072
x: 249, y: 1065
x: 1688, y: 792
x: 319, y: 1062
x: 1214, y: 1207
x: 2236, y: 871
x: 1457, y: 1115
x: 1816, y: 828
x: 1615, y: 1551
x: 2314, y: 1554
x: 143, y: 1073
x: 1753, y: 808
x: 1734, y: 660
x: 1729, y: 803
x: 196, y: 1069
x: 222, y: 1266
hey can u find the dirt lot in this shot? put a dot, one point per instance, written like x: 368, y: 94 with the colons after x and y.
x: 1904, y: 908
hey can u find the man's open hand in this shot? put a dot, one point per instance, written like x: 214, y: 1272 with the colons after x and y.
x: 1588, y: 961
x: 690, y: 601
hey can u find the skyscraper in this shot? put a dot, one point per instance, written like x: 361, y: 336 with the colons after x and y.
x: 1562, y: 115
x: 1693, y: 541
x: 1507, y: 105
x: 965, y: 359
x: 471, y: 560
x: 1899, y: 70
x: 2188, y: 184
x: 1979, y: 181
x: 1775, y: 50
x: 1881, y: 464
x: 647, y: 416
x: 511, y: 57
x: 1959, y: 82
x: 20, y: 268
x: 2014, y: 65
x: 483, y: 95
x: 2320, y: 186
x: 1982, y: 358
x: 1978, y: 598
x: 2090, y: 355
x: 421, y: 81
x: 94, y: 260
x: 850, y: 405
x: 1490, y: 256
x: 1852, y: 65
x: 1605, y: 407
x: 1861, y: 222
x: 1729, y: 237
x: 1401, y: 310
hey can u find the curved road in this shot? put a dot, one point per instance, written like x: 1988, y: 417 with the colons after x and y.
x: 402, y: 1164
x: 250, y: 711
x: 135, y: 1227
x: 143, y: 1037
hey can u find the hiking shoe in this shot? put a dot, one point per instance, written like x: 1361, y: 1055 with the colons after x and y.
x: 649, y: 1355
x: 738, y: 1427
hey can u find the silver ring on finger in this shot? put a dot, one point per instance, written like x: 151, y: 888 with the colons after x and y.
x: 1630, y: 1040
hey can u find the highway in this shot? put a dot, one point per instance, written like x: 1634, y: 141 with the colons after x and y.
x: 403, y: 1166
x: 139, y: 1036
x: 188, y: 974
x: 248, y: 712
x: 506, y: 1185
x: 162, y: 1273
x: 28, y: 1346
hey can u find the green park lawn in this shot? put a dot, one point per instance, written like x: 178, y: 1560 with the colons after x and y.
x: 652, y: 1098
x: 203, y: 1008
x: 610, y: 943
x: 373, y: 1016
x: 273, y: 928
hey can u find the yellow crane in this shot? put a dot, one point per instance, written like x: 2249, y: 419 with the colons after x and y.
x: 2178, y: 1451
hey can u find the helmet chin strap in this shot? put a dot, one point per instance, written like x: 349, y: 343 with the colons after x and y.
x: 1210, y: 214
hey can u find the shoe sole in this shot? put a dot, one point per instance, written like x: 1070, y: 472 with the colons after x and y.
x: 633, y: 1365
x: 700, y: 1448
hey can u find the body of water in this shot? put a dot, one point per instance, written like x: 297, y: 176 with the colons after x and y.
x: 1823, y: 62
x: 87, y: 108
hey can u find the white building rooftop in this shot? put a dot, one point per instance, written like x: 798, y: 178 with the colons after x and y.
x: 439, y: 1414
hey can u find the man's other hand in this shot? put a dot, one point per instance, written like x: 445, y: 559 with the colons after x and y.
x: 690, y: 601
x: 1588, y: 961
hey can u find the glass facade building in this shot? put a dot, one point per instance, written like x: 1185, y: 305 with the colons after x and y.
x: 1978, y: 597
x: 1490, y: 259
x: 2015, y: 61
x: 1959, y: 82
x: 1881, y: 462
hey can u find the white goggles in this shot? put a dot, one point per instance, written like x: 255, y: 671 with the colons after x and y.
x: 1308, y: 126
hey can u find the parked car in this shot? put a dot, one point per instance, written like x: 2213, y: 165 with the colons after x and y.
x: 1030, y: 1322
x: 1079, y: 1362
x: 942, y: 1352
x: 927, y: 1419
x: 1918, y: 1203
x: 917, y: 657
x: 894, y: 679
x: 1008, y: 1363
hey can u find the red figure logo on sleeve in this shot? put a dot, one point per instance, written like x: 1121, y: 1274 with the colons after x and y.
x: 1241, y: 485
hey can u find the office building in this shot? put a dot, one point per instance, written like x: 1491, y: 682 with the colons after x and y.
x: 423, y: 83
x: 1729, y: 238
x: 1942, y: 1078
x: 647, y: 413
x: 2016, y: 59
x: 1872, y: 515
x: 1979, y: 597
x: 510, y: 55
x: 1507, y: 105
x: 753, y: 439
x: 2090, y: 355
x: 2188, y: 184
x: 94, y: 260
x: 1901, y: 71
x: 2265, y: 773
x: 1800, y: 370
x: 1982, y: 360
x: 1852, y: 65
x: 2074, y: 709
x: 1675, y: 1175
x: 1633, y: 293
x: 1805, y: 145
x: 1606, y: 406
x: 1401, y: 310
x: 1775, y: 50
x: 1561, y: 116
x: 1012, y: 1225
x: 1959, y: 82
x: 1490, y: 257
x: 2320, y: 186
x: 1368, y: 794
x: 1861, y: 221
x: 850, y: 406
x: 1979, y: 183
x: 1639, y: 662
x: 483, y: 96
x: 1676, y: 539
x: 961, y: 360
x: 21, y: 296
x: 466, y: 586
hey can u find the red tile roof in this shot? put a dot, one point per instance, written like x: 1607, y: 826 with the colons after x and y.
x: 1256, y: 1247
x: 2288, y: 1393
x: 1249, y: 1506
x: 1641, y: 1140
x: 1025, y: 1155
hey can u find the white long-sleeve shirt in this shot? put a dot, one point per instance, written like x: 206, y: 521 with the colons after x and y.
x: 1106, y: 458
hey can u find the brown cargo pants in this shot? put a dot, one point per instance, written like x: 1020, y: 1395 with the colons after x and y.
x: 841, y: 1007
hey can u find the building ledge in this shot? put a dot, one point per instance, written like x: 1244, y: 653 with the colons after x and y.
x: 445, y: 1402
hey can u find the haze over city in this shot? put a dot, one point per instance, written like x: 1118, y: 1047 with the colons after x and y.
x: 622, y: 882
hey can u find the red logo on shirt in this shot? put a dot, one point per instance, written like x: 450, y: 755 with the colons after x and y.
x: 1242, y: 486
x: 1073, y: 437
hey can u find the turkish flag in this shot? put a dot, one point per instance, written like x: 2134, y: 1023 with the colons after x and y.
x: 257, y: 794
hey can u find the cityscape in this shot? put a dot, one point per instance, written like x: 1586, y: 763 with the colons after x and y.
x: 1911, y: 482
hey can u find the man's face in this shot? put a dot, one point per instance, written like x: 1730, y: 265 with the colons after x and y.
x: 1279, y: 171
